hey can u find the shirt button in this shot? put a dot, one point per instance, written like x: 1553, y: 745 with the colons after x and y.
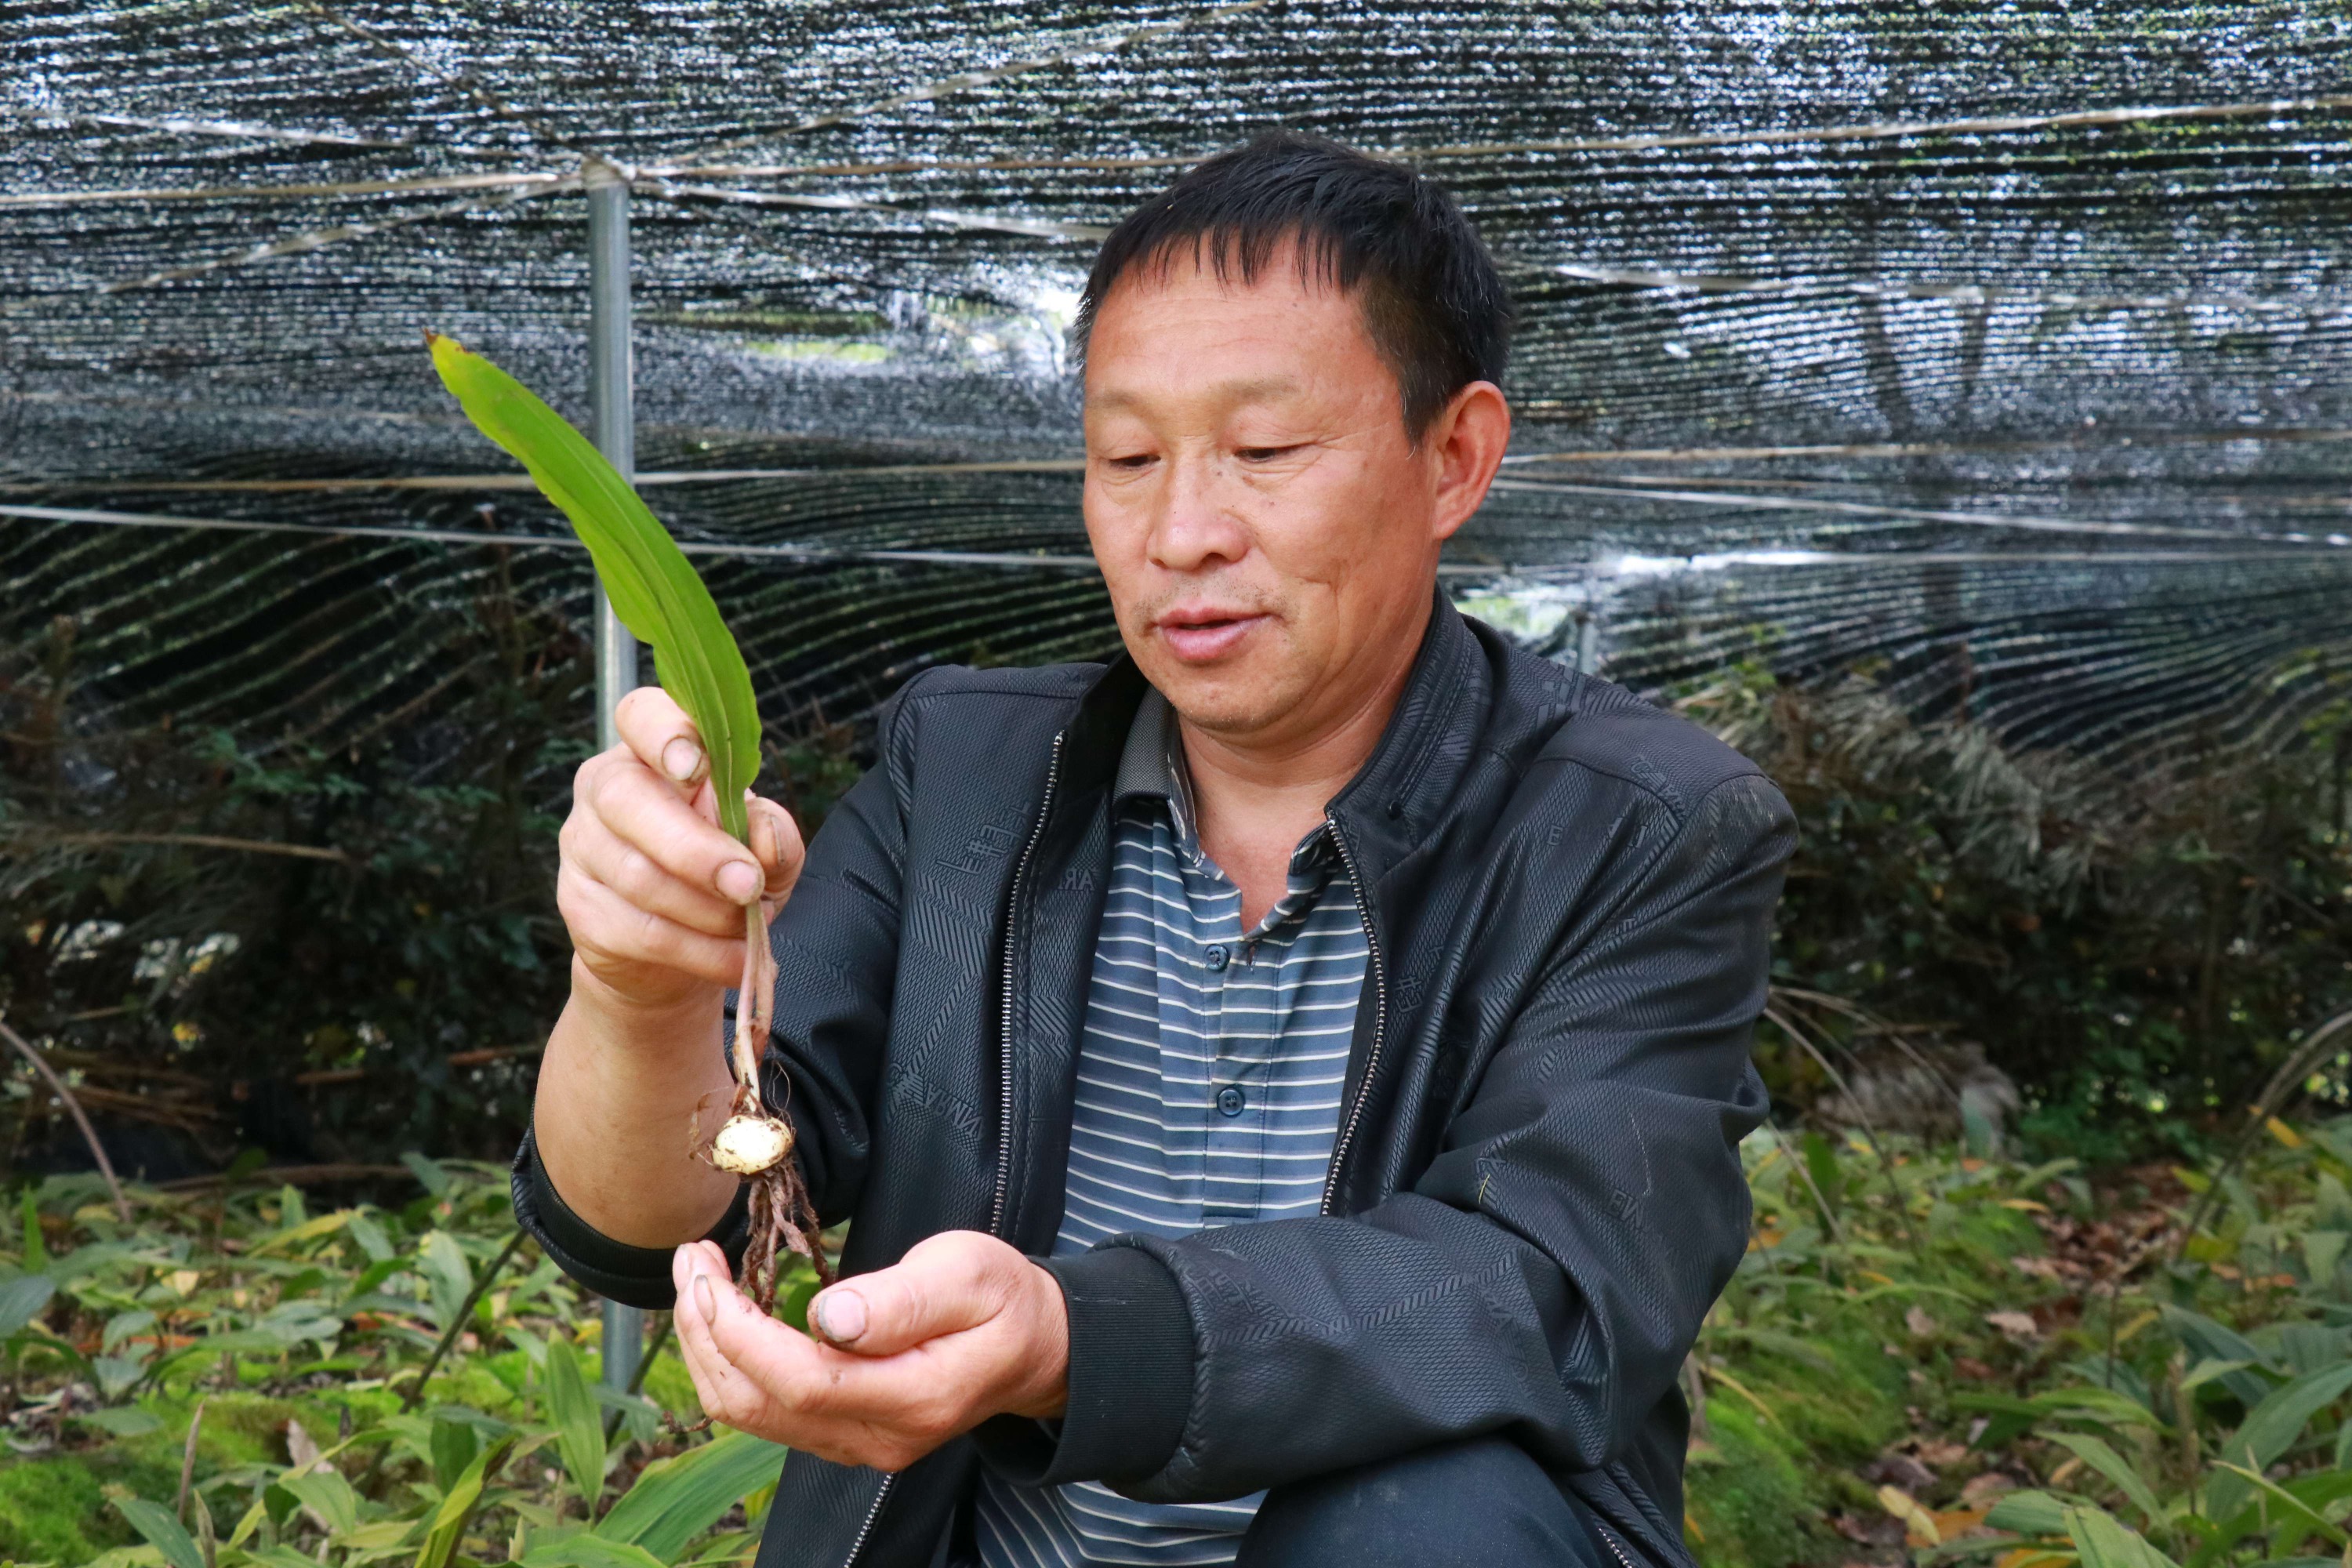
x: 1231, y: 1100
x: 1217, y: 956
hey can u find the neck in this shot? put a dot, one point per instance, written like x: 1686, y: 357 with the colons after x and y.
x: 1258, y: 795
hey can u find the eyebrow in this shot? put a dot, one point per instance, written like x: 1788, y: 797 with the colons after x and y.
x: 1251, y: 389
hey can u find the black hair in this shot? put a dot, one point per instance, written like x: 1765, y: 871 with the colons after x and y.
x: 1432, y: 300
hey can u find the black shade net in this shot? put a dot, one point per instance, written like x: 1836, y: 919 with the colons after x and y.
x: 2005, y: 348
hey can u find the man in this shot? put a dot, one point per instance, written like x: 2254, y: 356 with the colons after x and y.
x: 1285, y: 1084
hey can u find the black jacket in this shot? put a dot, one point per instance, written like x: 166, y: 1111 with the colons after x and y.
x: 1536, y: 1194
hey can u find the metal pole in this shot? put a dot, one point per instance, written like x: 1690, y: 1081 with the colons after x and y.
x: 616, y: 651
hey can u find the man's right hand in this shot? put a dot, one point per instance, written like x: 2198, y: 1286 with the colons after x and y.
x: 652, y: 888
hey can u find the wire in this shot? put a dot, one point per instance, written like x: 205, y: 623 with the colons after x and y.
x: 965, y: 81
x: 422, y: 186
x: 828, y: 555
x: 1913, y: 515
x: 295, y: 245
x: 1035, y: 227
x: 1867, y: 131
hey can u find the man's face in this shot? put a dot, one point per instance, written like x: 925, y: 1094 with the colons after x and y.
x: 1267, y: 531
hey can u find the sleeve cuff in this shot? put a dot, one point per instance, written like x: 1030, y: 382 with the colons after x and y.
x: 1130, y: 1377
x: 633, y: 1276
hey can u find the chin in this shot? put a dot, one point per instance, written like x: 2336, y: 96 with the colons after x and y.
x: 1223, y: 700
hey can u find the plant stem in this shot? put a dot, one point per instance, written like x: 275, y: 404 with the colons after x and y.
x: 188, y: 1459
x: 408, y: 1401
x: 89, y: 1133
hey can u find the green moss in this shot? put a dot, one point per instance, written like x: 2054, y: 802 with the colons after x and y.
x: 1747, y: 1493
x: 52, y: 1510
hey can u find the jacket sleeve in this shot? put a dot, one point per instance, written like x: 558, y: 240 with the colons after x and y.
x: 836, y: 947
x: 1545, y: 1277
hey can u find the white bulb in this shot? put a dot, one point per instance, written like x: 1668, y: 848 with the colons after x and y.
x: 748, y: 1145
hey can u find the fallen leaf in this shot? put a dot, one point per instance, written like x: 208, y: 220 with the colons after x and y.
x: 1921, y: 1325
x: 2019, y: 1325
x: 301, y: 1447
x: 1983, y: 1489
x: 1918, y: 1524
x: 1953, y: 1523
x: 1972, y: 1369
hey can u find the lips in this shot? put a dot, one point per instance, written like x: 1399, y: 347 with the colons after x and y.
x: 1198, y: 634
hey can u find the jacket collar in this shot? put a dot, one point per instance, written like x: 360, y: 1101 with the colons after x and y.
x: 1399, y: 793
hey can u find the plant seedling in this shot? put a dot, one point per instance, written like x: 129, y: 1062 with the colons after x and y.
x: 658, y: 596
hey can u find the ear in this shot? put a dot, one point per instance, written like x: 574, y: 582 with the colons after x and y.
x: 1464, y: 445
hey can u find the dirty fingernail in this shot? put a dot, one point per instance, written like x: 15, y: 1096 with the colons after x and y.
x: 704, y: 1299
x: 681, y: 759
x: 740, y: 880
x: 840, y: 1316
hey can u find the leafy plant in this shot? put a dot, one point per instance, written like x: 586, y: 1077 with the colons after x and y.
x: 1956, y: 1359
x: 656, y: 592
x: 288, y: 1356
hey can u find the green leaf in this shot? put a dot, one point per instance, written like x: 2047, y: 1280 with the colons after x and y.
x: 122, y: 1325
x: 454, y: 1447
x: 22, y: 1298
x: 2209, y: 1341
x: 154, y: 1521
x: 123, y: 1421
x: 676, y: 1500
x: 2104, y: 1543
x: 444, y: 1263
x: 2096, y: 1454
x: 2206, y: 1371
x: 2297, y: 1507
x: 460, y: 1501
x: 579, y: 1421
x: 2270, y: 1430
x: 654, y: 589
x: 329, y: 1496
x: 589, y: 1552
x: 2027, y: 1513
x: 428, y: 1173
x: 36, y: 1250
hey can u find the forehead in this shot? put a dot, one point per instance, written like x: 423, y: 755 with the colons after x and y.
x: 1177, y: 316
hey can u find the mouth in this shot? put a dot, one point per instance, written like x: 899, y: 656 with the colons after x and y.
x: 1198, y: 633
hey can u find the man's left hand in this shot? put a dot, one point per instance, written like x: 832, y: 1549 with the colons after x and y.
x: 896, y: 1362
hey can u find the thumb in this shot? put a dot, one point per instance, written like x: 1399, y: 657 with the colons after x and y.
x: 945, y: 1285
x: 776, y: 840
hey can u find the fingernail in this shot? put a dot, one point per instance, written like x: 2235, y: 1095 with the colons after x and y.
x: 740, y: 880
x: 681, y: 759
x: 704, y: 1299
x: 840, y: 1316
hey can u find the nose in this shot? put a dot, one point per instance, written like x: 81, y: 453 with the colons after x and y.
x: 1195, y: 525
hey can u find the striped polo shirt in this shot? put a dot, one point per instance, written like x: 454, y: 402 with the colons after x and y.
x: 1208, y: 1094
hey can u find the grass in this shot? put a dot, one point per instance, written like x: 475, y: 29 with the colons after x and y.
x: 1923, y: 1359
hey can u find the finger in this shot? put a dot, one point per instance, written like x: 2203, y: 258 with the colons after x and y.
x: 945, y: 1285
x: 605, y: 925
x: 689, y: 1352
x: 648, y: 814
x: 658, y: 733
x: 776, y: 840
x: 591, y: 845
x: 750, y: 1398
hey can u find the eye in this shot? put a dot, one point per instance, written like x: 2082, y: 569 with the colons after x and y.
x: 1266, y: 454
x: 1130, y: 461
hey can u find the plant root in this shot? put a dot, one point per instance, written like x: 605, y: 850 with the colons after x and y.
x: 783, y: 1217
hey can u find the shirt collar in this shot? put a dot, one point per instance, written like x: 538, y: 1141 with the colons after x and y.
x: 1151, y: 767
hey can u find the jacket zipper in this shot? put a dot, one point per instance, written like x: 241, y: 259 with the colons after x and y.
x: 1004, y: 1081
x: 1380, y: 1015
x: 1005, y: 1031
x: 1609, y: 1539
